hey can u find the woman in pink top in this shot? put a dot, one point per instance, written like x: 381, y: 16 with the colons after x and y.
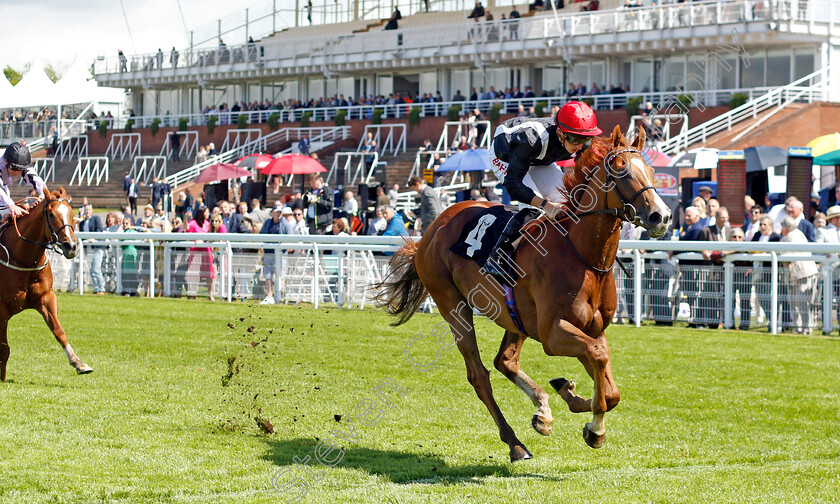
x: 201, y: 258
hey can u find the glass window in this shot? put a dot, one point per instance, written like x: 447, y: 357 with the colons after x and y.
x: 460, y: 82
x: 553, y: 80
x: 641, y: 76
x: 596, y: 74
x: 673, y: 73
x: 753, y: 75
x: 778, y: 68
x: 316, y: 88
x: 727, y: 72
x: 803, y: 62
x: 428, y: 82
x: 578, y: 74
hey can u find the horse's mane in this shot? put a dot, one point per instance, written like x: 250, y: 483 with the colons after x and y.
x: 591, y: 157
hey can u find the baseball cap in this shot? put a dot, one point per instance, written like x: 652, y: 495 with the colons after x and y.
x: 277, y: 208
x: 705, y: 188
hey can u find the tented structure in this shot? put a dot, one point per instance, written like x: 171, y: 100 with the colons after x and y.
x: 35, y: 89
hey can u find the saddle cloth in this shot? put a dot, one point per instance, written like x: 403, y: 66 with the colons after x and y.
x: 482, y: 232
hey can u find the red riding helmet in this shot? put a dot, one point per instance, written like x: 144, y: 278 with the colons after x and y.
x: 577, y: 118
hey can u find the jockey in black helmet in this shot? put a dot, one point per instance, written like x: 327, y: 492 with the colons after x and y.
x: 17, y: 161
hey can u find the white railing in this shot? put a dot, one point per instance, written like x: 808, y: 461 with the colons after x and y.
x: 69, y: 148
x: 353, y: 167
x: 812, y: 87
x: 90, y: 169
x: 660, y: 133
x: 322, y: 134
x: 45, y: 167
x: 124, y: 145
x: 25, y: 130
x: 390, y: 143
x: 234, y: 138
x: 754, y: 276
x: 146, y: 168
x: 188, y: 148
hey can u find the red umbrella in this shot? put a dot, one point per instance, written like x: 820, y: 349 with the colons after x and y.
x: 293, y: 164
x: 221, y: 171
x: 258, y: 161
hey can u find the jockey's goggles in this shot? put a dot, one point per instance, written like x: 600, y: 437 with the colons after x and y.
x: 577, y: 139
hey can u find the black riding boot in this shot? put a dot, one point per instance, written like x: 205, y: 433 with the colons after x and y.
x: 499, y: 261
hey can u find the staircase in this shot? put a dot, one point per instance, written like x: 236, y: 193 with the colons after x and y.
x: 811, y: 88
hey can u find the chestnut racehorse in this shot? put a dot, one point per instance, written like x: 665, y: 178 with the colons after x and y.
x: 565, y: 292
x: 27, y: 276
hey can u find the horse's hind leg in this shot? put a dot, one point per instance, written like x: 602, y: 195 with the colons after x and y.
x: 4, y: 347
x: 460, y: 318
x: 48, y: 308
x: 507, y: 362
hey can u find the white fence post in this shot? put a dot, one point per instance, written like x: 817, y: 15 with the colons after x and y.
x: 728, y: 294
x: 774, y: 293
x: 637, y: 287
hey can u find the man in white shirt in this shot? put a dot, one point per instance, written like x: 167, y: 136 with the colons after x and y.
x: 831, y: 232
x: 751, y: 227
x: 393, y: 195
x: 351, y: 206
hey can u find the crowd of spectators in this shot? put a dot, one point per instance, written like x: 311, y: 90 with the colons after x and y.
x: 699, y: 278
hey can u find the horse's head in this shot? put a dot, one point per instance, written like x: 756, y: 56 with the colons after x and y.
x: 58, y: 214
x: 630, y: 178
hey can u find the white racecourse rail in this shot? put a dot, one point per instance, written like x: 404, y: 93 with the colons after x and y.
x: 752, y: 285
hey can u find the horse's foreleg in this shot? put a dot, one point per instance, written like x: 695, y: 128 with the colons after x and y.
x: 48, y: 308
x: 460, y: 318
x: 507, y: 362
x: 4, y: 347
x: 566, y: 339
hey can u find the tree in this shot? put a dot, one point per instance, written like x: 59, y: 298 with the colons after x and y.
x: 52, y: 73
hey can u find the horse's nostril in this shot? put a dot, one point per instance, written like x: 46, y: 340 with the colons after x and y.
x: 655, y: 218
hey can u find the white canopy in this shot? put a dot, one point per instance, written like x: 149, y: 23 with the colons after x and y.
x: 36, y: 89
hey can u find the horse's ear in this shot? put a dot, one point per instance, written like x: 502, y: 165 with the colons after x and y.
x: 46, y: 192
x: 639, y: 143
x: 617, y: 139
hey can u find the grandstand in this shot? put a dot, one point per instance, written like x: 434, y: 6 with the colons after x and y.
x: 696, y: 55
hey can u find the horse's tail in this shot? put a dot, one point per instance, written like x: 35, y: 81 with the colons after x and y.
x: 401, y: 292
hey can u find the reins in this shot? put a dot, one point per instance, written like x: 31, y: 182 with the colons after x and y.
x: 51, y: 245
x: 626, y: 214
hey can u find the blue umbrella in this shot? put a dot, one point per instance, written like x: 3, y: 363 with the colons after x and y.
x: 467, y: 160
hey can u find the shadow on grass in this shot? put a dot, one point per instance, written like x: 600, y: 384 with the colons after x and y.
x: 395, y: 466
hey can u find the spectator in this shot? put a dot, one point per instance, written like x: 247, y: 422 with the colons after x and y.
x: 445, y: 200
x: 514, y: 24
x: 175, y: 146
x: 271, y: 226
x: 820, y: 222
x: 705, y: 192
x: 751, y: 227
x: 303, y: 146
x: 377, y: 224
x: 217, y: 225
x: 92, y: 224
x: 691, y: 275
x: 340, y: 227
x: 762, y: 287
x: 318, y: 204
x: 173, y: 57
x: 369, y: 148
x: 713, y: 206
x: 161, y: 221
x: 794, y: 208
x: 381, y: 198
x: 159, y: 189
x: 122, y: 60
x: 237, y: 219
x: 396, y: 223
x: 803, y: 278
x: 830, y: 233
x: 130, y: 279
x: 392, y: 22
x: 458, y: 96
x: 430, y: 206
x: 742, y: 275
x: 258, y: 215
x: 394, y: 195
x: 132, y: 195
x: 477, y: 12
x: 147, y: 221
x: 201, y: 258
x: 351, y: 206
x: 288, y: 224
x: 300, y: 222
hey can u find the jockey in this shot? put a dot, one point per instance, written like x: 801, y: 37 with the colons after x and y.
x: 17, y: 161
x: 523, y: 156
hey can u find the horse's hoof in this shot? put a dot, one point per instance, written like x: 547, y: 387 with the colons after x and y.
x: 559, y: 384
x: 542, y: 424
x: 84, y: 369
x: 519, y: 452
x: 592, y: 439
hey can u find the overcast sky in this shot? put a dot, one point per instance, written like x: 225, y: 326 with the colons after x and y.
x: 57, y: 31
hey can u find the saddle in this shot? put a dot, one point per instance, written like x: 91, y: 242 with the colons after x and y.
x: 482, y: 232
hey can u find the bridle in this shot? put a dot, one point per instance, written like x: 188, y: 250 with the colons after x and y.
x: 627, y: 213
x: 50, y: 245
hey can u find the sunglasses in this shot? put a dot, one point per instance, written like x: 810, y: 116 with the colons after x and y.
x: 298, y: 213
x: 577, y: 139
